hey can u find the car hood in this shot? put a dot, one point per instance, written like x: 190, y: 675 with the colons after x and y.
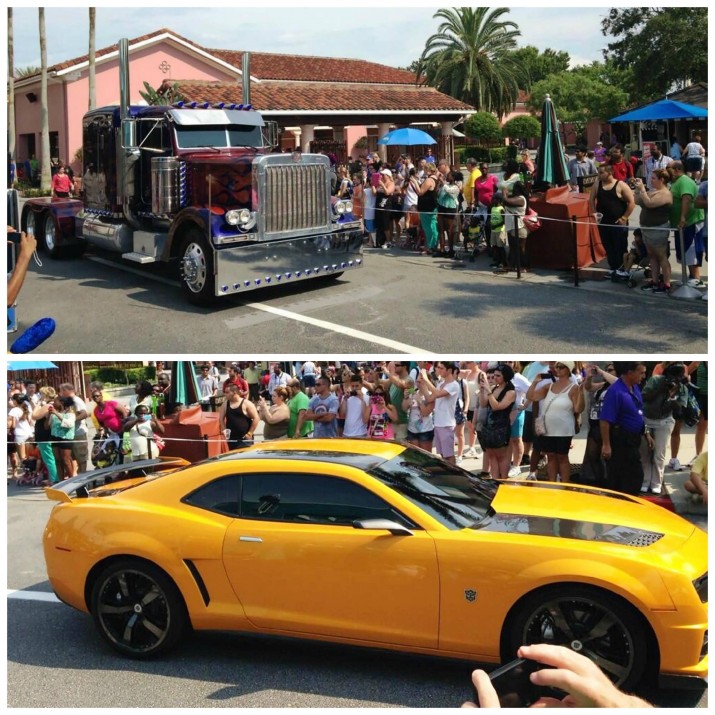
x: 575, y: 512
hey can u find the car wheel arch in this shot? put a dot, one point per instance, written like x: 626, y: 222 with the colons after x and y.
x: 564, y: 587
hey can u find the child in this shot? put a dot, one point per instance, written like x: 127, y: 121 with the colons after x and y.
x: 637, y: 252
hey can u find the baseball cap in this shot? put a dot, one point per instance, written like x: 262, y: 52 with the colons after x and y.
x: 387, y: 172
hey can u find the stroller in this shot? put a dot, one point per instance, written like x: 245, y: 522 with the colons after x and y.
x: 107, y: 450
x: 474, y: 235
x: 31, y: 475
x: 635, y: 263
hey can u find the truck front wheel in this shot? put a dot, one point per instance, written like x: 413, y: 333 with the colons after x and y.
x: 47, y: 237
x: 196, y: 267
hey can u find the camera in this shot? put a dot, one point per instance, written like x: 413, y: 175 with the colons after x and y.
x: 353, y: 393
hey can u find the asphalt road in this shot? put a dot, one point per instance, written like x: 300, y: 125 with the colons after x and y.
x: 56, y: 659
x: 399, y: 302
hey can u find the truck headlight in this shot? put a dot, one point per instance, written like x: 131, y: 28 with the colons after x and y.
x: 348, y: 207
x: 238, y: 217
x: 339, y: 207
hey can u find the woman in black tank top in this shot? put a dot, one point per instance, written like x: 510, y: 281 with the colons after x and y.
x: 240, y: 417
x: 614, y: 199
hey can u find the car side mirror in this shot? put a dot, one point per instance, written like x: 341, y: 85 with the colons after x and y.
x: 382, y: 525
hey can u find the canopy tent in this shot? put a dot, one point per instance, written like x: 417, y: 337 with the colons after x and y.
x: 663, y: 109
x: 14, y: 365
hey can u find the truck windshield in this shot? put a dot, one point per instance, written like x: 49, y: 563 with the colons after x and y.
x: 188, y: 137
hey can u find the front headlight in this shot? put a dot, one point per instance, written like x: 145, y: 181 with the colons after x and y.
x: 236, y: 217
x: 348, y: 207
x: 339, y: 207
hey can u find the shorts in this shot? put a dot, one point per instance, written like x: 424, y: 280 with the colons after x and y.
x: 694, y: 163
x: 553, y: 445
x: 399, y: 430
x: 657, y: 237
x: 703, y: 404
x: 517, y: 426
x: 693, y: 252
x: 309, y: 380
x: 444, y: 441
x: 528, y: 432
x: 470, y: 415
x: 370, y: 225
x: 80, y: 449
x: 62, y: 444
x: 421, y: 436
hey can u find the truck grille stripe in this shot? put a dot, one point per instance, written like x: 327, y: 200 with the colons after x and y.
x: 296, y: 198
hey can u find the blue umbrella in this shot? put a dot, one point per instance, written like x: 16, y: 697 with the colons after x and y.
x: 408, y: 136
x: 31, y: 365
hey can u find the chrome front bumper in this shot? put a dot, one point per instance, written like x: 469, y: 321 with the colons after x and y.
x: 251, y: 267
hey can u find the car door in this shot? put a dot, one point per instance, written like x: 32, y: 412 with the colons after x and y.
x: 297, y: 563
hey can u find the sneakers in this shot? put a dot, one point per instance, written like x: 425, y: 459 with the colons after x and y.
x: 531, y: 477
x: 609, y: 273
x: 650, y: 286
x: 695, y: 283
x: 644, y: 490
x: 656, y: 490
x: 674, y: 464
x: 471, y: 453
x: 662, y: 289
x: 623, y: 274
x: 514, y: 472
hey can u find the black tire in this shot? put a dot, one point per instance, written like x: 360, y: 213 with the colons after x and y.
x: 196, y: 268
x: 137, y: 609
x: 588, y: 620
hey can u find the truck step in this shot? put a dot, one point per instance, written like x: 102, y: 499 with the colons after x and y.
x: 138, y: 257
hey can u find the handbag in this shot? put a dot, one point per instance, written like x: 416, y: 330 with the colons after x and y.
x: 494, y: 435
x: 531, y: 221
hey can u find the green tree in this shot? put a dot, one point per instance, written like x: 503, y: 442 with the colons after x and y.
x: 579, y: 97
x: 538, y: 65
x: 21, y: 72
x: 522, y: 127
x: 470, y: 58
x: 665, y: 48
x: 483, y: 126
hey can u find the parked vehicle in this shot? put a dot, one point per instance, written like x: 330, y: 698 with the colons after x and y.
x: 199, y: 185
x: 379, y: 544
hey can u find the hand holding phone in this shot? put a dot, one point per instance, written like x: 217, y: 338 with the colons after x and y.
x: 513, y: 686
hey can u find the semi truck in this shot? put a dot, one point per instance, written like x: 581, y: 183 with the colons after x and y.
x: 201, y: 186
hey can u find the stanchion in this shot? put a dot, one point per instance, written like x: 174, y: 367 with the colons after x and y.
x: 517, y: 247
x: 684, y: 292
x: 575, y: 251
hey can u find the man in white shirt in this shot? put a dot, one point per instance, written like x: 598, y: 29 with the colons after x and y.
x: 208, y: 388
x: 278, y: 378
x: 444, y: 396
x: 656, y: 160
x: 355, y: 409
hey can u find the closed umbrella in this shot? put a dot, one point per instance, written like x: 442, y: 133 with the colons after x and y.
x: 184, y: 386
x: 551, y: 169
x: 408, y: 136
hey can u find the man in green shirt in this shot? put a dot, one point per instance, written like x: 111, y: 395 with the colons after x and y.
x: 297, y: 404
x: 684, y: 215
x: 398, y: 380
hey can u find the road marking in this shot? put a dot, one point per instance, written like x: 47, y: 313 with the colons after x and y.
x: 33, y: 596
x: 351, y: 332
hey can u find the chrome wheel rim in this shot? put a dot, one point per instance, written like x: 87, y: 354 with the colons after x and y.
x: 30, y: 223
x: 586, y: 627
x: 133, y: 611
x: 50, y: 234
x: 194, y: 269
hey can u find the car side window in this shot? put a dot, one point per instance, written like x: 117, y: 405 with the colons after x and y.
x: 311, y: 499
x: 220, y: 495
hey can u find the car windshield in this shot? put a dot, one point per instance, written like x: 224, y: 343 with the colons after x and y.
x: 453, y: 496
x: 195, y: 137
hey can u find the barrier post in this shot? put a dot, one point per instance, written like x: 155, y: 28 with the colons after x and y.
x: 575, y: 251
x: 517, y: 247
x: 684, y: 292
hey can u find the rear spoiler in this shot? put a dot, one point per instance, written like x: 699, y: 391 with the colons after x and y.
x: 78, y: 487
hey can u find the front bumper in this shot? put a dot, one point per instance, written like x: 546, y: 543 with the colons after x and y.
x: 694, y: 678
x: 244, y: 268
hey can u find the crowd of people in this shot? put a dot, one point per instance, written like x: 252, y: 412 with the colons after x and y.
x: 521, y: 419
x: 431, y: 206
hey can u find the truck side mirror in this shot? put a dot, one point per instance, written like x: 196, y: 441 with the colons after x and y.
x: 271, y: 134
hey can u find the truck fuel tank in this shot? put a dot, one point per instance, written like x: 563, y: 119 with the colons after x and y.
x: 165, y: 185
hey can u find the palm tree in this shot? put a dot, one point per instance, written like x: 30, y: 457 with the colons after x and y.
x: 10, y: 97
x: 469, y: 58
x: 45, y: 172
x: 92, y: 95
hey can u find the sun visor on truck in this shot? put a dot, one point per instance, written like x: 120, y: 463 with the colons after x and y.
x: 215, y: 117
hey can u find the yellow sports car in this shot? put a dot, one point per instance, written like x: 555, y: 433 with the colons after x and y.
x: 384, y: 545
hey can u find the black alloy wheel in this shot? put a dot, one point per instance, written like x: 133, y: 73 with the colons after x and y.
x: 137, y: 608
x: 591, y: 622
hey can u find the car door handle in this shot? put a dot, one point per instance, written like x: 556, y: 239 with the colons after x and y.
x: 252, y: 539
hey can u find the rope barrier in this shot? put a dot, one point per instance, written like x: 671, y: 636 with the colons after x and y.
x: 207, y: 438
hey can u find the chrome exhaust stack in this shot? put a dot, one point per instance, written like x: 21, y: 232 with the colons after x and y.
x: 127, y: 151
x: 246, y: 78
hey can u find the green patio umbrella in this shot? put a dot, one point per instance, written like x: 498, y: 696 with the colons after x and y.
x: 551, y: 168
x: 184, y: 386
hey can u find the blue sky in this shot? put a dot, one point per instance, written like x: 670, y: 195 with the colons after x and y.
x: 389, y: 35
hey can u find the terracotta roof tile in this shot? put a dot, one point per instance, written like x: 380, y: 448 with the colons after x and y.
x: 267, y: 65
x: 323, y: 96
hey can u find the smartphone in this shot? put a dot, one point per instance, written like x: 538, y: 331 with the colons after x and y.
x: 513, y: 685
x: 13, y: 248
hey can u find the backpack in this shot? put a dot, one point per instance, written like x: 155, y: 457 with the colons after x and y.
x: 690, y: 414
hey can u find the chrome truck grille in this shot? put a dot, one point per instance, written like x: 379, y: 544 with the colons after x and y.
x: 293, y: 195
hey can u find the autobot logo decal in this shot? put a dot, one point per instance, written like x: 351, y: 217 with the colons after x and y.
x: 470, y: 594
